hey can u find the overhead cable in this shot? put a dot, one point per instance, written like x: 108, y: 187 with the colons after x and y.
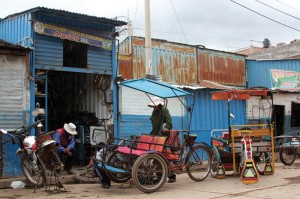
x: 179, y: 22
x: 277, y: 10
x: 287, y: 5
x: 265, y: 16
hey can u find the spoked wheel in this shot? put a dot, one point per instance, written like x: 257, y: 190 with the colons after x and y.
x: 120, y: 161
x: 198, y: 163
x: 288, y: 155
x: 32, y: 172
x: 215, y: 157
x: 149, y: 172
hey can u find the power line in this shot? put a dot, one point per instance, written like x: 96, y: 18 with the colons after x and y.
x: 265, y: 16
x: 193, y: 35
x: 288, y: 5
x: 179, y: 22
x: 277, y: 10
x: 136, y: 6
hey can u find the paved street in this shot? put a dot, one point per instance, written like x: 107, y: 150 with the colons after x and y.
x: 285, y: 183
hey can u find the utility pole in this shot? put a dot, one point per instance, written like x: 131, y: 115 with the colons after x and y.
x: 148, y: 45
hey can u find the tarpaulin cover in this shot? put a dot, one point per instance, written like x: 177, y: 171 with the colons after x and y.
x: 159, y: 89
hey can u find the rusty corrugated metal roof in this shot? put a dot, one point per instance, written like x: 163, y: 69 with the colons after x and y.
x: 5, y: 44
x: 212, y: 85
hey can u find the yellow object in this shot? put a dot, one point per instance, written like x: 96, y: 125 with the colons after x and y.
x: 249, y: 174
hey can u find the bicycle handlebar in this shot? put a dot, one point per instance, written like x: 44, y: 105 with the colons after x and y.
x: 20, y: 132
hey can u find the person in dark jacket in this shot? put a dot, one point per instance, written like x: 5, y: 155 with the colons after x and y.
x: 161, y: 121
x: 64, y: 138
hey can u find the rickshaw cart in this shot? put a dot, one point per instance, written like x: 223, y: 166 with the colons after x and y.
x: 244, y: 149
x: 148, y: 160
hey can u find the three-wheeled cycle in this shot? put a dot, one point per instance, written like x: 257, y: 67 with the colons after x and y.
x: 148, y: 160
x: 246, y: 149
x: 289, y: 147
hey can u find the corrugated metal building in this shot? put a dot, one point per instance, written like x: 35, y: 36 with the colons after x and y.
x: 14, y: 65
x: 183, y: 65
x: 286, y: 99
x: 69, y: 51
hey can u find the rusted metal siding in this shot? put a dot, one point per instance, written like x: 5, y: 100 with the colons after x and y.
x: 125, y: 66
x: 184, y: 64
x: 221, y: 67
x: 174, y: 62
x: 124, y: 47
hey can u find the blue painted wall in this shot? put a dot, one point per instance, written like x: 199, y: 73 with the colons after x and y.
x: 211, y: 114
x: 259, y: 71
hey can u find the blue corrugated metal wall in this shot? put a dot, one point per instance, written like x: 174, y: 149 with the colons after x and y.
x: 48, y: 51
x: 100, y: 59
x: 209, y: 114
x: 259, y: 71
x: 16, y: 28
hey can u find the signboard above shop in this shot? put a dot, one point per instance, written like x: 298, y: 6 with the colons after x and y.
x: 285, y: 79
x: 72, y: 35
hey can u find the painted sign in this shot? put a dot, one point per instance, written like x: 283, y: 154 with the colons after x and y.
x: 72, y: 35
x: 285, y: 79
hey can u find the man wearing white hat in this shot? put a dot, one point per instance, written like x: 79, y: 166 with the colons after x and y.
x: 65, y: 142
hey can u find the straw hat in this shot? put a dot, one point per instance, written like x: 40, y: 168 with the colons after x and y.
x: 70, y: 128
x: 155, y: 101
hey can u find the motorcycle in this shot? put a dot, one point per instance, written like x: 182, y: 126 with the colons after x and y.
x: 38, y: 153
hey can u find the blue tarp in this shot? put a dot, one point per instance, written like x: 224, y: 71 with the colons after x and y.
x: 159, y: 89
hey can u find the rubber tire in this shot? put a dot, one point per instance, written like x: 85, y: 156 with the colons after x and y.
x: 205, y: 155
x: 143, y: 165
x: 292, y: 152
x: 112, y: 160
x: 215, y: 159
x: 29, y: 175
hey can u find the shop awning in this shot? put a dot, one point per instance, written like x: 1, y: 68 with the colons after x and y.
x: 243, y: 94
x: 156, y: 88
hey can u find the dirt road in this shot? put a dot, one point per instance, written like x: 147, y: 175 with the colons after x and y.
x: 285, y: 183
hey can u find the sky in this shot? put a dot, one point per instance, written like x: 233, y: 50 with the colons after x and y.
x: 215, y: 24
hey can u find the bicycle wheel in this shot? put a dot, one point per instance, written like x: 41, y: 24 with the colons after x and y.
x: 198, y: 163
x: 120, y: 161
x: 288, y: 155
x: 215, y: 159
x: 149, y: 172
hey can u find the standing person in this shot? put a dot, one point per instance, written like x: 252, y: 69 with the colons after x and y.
x: 161, y: 121
x: 64, y: 138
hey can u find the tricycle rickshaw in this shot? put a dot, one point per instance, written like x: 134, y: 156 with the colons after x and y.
x: 245, y: 149
x: 289, y: 147
x: 148, y: 160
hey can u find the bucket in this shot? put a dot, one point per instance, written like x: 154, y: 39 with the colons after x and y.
x: 154, y: 77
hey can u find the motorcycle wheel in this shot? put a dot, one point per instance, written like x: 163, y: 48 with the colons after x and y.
x: 32, y: 172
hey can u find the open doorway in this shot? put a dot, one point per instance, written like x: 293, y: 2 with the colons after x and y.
x: 66, y: 92
x: 279, y: 120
